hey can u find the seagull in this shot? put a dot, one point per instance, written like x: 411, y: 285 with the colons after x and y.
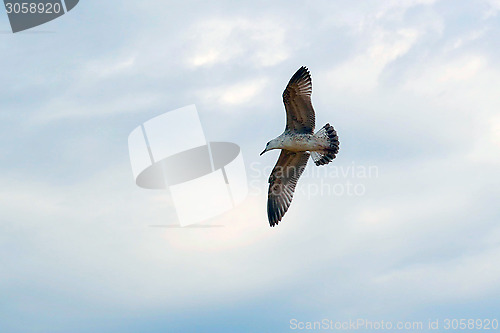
x: 297, y: 143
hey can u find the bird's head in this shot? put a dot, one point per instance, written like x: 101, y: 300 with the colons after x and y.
x: 273, y: 144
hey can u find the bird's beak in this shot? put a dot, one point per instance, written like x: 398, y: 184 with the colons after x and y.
x: 263, y: 152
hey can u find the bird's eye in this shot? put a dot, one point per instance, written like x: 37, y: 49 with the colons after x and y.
x: 267, y: 144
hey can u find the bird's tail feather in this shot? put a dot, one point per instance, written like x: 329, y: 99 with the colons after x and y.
x: 326, y: 156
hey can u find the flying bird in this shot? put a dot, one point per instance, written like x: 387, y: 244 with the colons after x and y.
x: 297, y: 143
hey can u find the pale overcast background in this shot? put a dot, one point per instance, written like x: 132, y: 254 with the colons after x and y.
x: 412, y: 86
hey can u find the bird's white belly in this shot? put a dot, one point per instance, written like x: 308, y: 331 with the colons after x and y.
x: 301, y: 142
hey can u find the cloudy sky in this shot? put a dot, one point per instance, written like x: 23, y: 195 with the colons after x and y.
x: 411, y: 87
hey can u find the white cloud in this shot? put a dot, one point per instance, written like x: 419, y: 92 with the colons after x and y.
x: 362, y: 72
x: 262, y: 41
x: 466, y: 277
x: 487, y: 146
x: 109, y: 67
x: 446, y: 74
x: 71, y: 105
x: 235, y: 94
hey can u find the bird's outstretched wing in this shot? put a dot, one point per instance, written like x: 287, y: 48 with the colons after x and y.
x: 282, y: 183
x: 297, y: 99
